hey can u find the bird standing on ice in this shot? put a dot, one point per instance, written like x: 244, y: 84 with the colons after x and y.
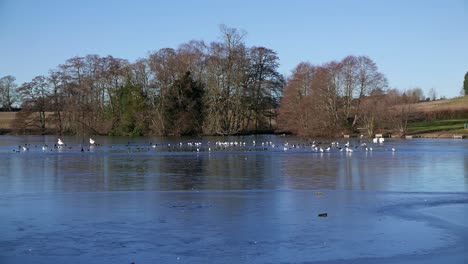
x: 60, y: 142
x: 91, y: 141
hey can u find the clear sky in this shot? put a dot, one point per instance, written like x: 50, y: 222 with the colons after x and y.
x: 415, y: 43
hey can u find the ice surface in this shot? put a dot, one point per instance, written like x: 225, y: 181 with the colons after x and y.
x: 124, y: 202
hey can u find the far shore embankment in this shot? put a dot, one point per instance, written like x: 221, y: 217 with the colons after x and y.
x: 7, y: 127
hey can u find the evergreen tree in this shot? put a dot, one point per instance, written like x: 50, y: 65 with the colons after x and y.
x: 184, y: 107
x: 131, y: 119
x: 465, y: 84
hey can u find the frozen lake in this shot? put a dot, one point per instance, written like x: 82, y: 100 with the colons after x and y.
x: 252, y: 199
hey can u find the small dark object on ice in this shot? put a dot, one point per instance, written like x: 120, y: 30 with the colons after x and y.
x: 323, y: 215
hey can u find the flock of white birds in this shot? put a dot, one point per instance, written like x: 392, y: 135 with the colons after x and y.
x: 314, y: 147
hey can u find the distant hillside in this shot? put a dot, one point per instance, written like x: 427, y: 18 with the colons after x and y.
x: 442, y: 118
x: 455, y: 104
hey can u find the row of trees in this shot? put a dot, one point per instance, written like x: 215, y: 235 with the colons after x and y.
x: 341, y: 97
x: 221, y: 88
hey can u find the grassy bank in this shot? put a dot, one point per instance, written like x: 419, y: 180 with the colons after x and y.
x: 454, y: 126
x: 442, y: 118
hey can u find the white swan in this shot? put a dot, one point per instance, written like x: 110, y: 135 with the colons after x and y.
x: 60, y: 142
x: 91, y: 141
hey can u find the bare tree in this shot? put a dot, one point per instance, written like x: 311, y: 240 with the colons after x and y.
x: 374, y: 112
x: 164, y: 70
x: 57, y: 104
x: 368, y: 79
x: 298, y: 112
x: 7, y: 92
x: 401, y: 108
x: 192, y: 57
x: 349, y: 81
x: 329, y: 82
x: 335, y: 92
x: 264, y: 86
x: 415, y: 94
x: 36, y: 102
x: 432, y: 94
x: 86, y: 91
x: 227, y: 78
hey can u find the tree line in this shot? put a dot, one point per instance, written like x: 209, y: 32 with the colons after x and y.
x: 220, y: 88
x: 346, y: 96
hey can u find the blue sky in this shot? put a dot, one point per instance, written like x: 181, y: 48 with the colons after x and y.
x: 414, y: 43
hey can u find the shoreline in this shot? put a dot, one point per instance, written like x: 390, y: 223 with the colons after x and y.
x: 434, y: 135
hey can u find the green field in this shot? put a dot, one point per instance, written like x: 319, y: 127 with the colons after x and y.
x: 454, y: 126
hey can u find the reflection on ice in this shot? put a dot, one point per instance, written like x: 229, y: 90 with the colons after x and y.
x: 117, y: 164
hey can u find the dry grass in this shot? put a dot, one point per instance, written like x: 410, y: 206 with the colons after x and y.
x: 455, y: 104
x: 6, y: 120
